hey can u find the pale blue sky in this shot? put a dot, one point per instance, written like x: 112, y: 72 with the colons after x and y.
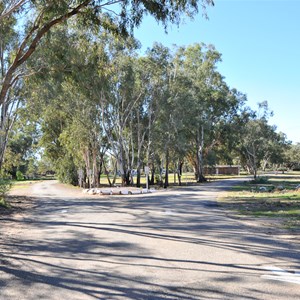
x: 260, y: 45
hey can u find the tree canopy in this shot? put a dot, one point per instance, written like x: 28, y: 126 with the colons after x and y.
x: 74, y: 86
x: 30, y: 21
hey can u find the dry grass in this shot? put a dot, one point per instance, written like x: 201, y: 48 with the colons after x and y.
x: 277, y: 199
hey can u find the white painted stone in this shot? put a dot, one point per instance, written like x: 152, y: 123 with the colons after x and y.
x: 263, y: 189
x: 92, y: 192
x: 106, y: 192
x: 135, y: 192
x: 115, y: 192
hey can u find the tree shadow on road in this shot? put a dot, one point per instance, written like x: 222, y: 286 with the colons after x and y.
x: 111, y: 258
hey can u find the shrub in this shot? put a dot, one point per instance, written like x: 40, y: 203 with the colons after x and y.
x: 19, y: 175
x: 66, y: 171
x: 157, y: 179
x: 5, y: 186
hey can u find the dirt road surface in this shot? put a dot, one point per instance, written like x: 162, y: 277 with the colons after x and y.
x: 175, y: 244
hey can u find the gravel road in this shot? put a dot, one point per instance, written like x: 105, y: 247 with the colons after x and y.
x: 175, y: 244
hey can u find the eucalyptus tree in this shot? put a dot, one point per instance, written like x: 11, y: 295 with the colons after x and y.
x: 8, y: 39
x: 19, y: 152
x: 160, y: 109
x: 151, y: 77
x: 145, y: 111
x: 8, y: 7
x: 172, y: 121
x: 292, y: 156
x: 229, y: 130
x: 91, y: 82
x: 84, y: 135
x: 21, y: 146
x: 193, y: 105
x: 178, y: 122
x: 275, y: 152
x: 141, y: 116
x: 35, y: 19
x: 116, y: 16
x: 213, y: 103
x: 161, y: 58
x: 74, y: 64
x: 120, y: 104
x: 259, y: 142
x: 134, y: 106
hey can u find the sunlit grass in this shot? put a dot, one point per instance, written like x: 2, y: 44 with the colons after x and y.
x: 23, y: 184
x: 280, y: 201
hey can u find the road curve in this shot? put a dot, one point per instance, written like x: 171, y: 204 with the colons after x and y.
x: 176, y: 244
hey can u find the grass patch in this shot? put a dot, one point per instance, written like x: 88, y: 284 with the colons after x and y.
x: 22, y: 184
x: 274, y: 197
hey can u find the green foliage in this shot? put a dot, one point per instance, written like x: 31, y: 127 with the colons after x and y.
x: 66, y: 170
x: 21, y: 147
x: 94, y: 95
x: 45, y: 166
x: 108, y: 98
x: 292, y: 157
x: 5, y: 186
x: 31, y: 171
x: 20, y: 175
x: 27, y: 26
x: 259, y: 143
x: 4, y: 203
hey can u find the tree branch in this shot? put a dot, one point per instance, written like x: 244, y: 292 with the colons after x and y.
x: 10, y: 9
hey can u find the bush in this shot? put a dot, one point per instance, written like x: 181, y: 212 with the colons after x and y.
x: 66, y: 171
x: 5, y: 186
x: 157, y: 179
x: 19, y: 175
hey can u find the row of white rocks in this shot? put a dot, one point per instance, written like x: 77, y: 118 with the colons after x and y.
x: 117, y: 191
x: 278, y: 188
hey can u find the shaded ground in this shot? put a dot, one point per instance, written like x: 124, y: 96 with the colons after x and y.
x: 176, y: 244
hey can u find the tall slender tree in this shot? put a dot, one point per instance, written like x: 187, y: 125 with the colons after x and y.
x: 38, y: 18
